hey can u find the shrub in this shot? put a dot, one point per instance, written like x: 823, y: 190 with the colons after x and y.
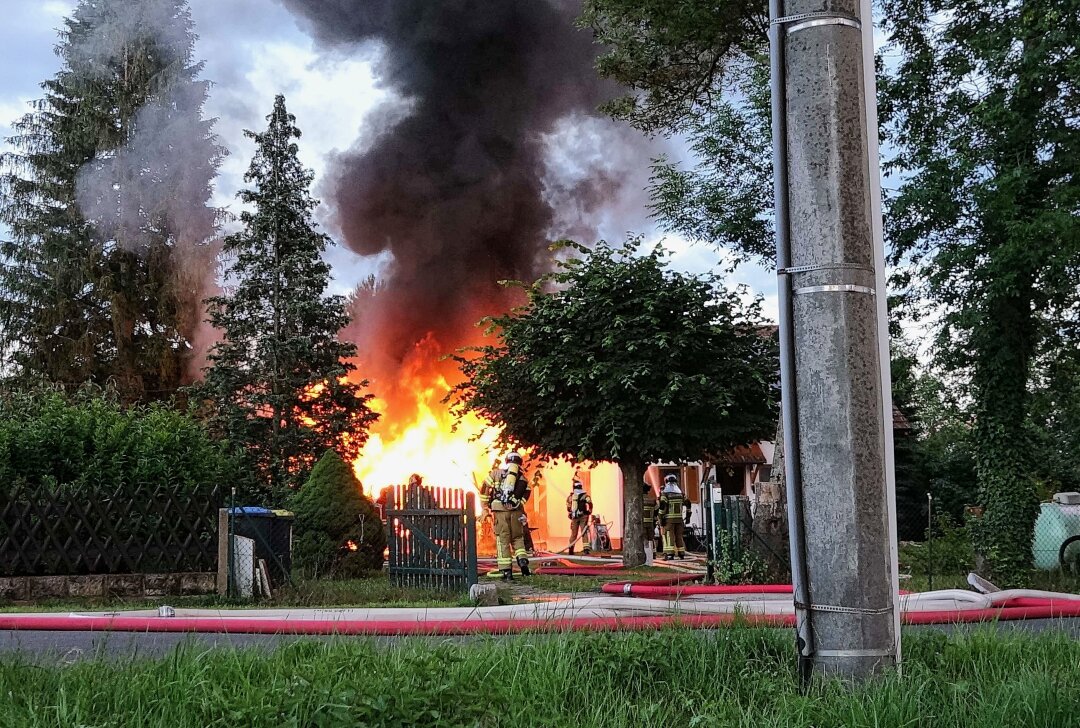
x: 945, y: 550
x: 332, y: 511
x: 89, y: 444
x: 736, y: 563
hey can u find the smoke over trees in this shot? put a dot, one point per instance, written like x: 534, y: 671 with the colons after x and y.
x: 114, y: 242
x: 453, y: 181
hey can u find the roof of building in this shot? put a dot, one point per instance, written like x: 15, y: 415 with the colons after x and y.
x: 744, y: 455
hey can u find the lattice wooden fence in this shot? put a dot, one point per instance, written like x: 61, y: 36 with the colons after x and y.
x: 45, y: 531
x: 431, y: 537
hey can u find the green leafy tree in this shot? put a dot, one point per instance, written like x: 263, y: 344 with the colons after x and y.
x: 332, y: 516
x: 981, y: 106
x: 616, y: 357
x: 106, y: 196
x: 699, y: 71
x: 279, y: 377
x: 1055, y: 418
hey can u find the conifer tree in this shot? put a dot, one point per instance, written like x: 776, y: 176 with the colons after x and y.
x: 106, y: 196
x: 279, y: 377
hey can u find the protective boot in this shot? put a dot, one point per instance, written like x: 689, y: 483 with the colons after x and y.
x: 571, y: 551
x: 507, y: 574
x: 523, y: 564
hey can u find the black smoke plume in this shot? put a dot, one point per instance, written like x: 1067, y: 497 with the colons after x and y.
x: 456, y: 185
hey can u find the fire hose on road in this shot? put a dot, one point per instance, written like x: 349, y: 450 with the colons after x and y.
x: 626, y: 606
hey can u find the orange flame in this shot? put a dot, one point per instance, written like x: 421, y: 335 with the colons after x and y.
x: 352, y: 546
x: 416, y: 433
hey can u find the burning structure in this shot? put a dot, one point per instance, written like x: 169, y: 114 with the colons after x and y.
x: 454, y: 186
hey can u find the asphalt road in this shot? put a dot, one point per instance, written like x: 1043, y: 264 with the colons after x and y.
x: 70, y: 647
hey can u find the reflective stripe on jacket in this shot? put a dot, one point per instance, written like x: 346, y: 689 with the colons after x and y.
x: 649, y: 509
x: 671, y: 507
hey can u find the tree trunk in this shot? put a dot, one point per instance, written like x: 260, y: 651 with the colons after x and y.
x: 1002, y: 537
x: 633, y: 541
x: 770, y: 516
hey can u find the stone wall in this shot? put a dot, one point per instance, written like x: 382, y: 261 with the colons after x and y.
x: 31, y: 588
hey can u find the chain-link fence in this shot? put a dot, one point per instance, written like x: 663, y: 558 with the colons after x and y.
x: 936, y: 548
x: 749, y: 543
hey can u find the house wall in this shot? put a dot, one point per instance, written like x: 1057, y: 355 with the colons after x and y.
x: 603, y: 483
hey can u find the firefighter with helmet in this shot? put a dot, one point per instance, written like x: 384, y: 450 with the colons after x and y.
x: 670, y: 509
x: 578, y: 510
x: 505, y: 492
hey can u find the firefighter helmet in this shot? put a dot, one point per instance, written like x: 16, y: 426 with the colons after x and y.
x: 514, y: 458
x: 671, y: 480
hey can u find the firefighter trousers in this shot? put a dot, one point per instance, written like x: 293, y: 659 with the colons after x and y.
x: 580, y: 526
x: 509, y: 537
x: 673, y: 538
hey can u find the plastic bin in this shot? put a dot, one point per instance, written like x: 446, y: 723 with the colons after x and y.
x: 272, y: 533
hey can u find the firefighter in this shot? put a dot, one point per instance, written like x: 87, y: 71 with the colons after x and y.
x: 578, y: 510
x: 648, y: 509
x: 505, y: 492
x: 671, y: 515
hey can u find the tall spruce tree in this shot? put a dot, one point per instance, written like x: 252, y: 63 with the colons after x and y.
x: 106, y: 195
x: 279, y: 376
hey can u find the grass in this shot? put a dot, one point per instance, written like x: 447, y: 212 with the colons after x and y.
x: 734, y: 677
x: 375, y: 591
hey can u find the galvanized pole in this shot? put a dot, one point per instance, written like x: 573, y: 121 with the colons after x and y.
x: 833, y: 347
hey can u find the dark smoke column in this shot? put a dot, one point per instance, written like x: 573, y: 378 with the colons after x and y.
x: 454, y: 189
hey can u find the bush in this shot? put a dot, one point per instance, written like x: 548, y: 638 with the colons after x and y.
x: 89, y: 444
x: 949, y: 552
x: 737, y: 563
x: 332, y: 512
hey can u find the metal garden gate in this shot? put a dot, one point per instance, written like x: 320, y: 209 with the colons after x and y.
x: 431, y: 537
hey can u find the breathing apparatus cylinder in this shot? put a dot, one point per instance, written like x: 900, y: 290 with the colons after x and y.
x: 514, y: 482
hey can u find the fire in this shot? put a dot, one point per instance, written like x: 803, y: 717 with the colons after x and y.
x: 416, y: 433
x: 352, y: 546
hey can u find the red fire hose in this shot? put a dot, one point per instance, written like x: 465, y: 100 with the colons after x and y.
x: 1027, y: 608
x: 673, y: 588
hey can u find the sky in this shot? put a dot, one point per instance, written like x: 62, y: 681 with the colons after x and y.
x: 254, y: 49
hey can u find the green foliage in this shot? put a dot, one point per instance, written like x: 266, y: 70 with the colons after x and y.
x: 1055, y: 418
x: 332, y: 510
x: 90, y: 445
x: 616, y: 357
x: 950, y: 551
x: 734, y: 563
x: 979, y: 108
x: 725, y: 198
x: 625, y: 359
x: 673, y: 57
x: 279, y: 378
x: 107, y: 197
x: 697, y: 70
x: 730, y: 677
